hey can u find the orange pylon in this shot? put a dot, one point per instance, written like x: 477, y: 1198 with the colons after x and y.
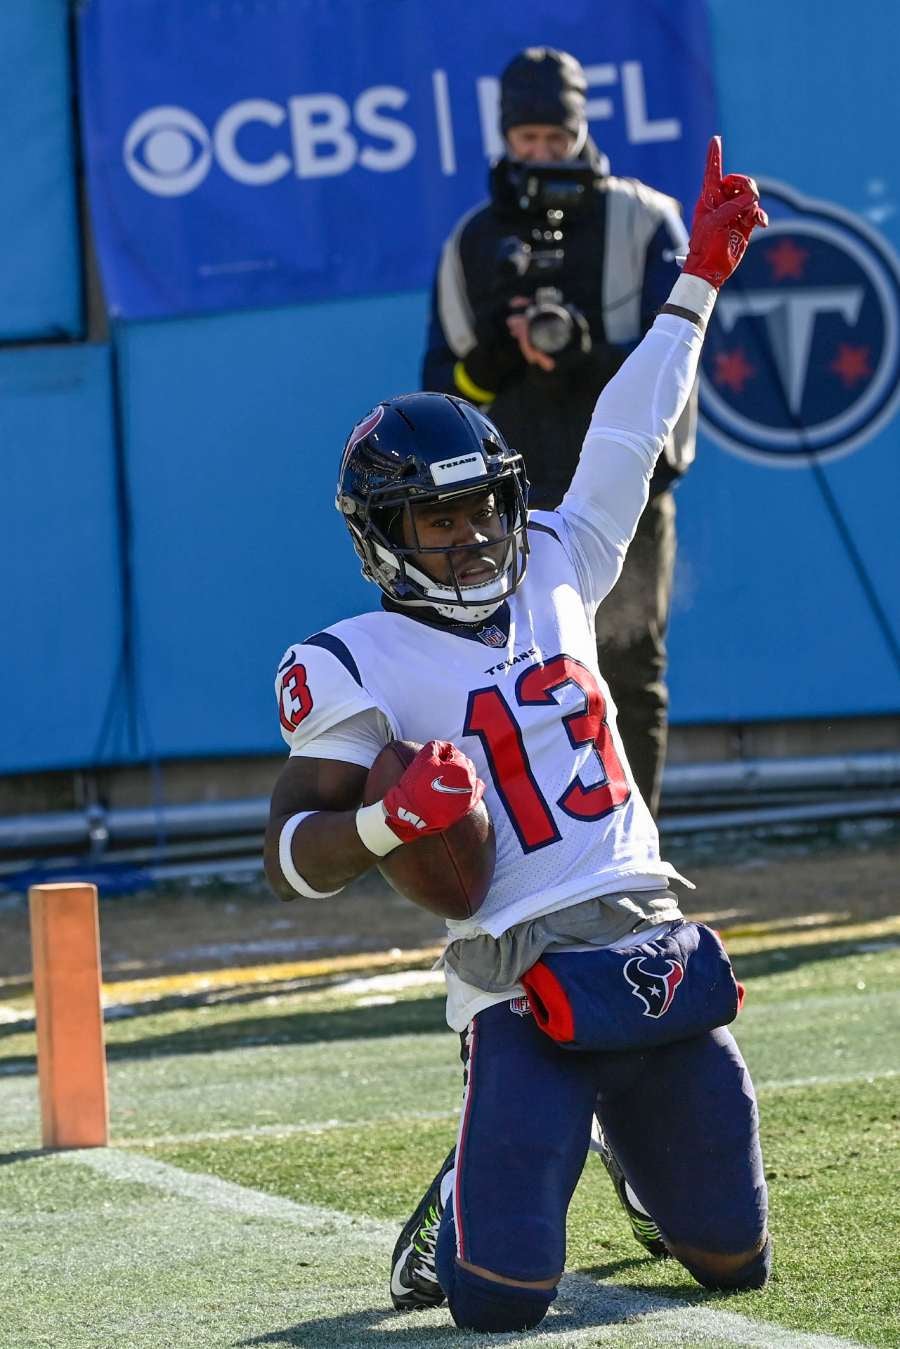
x: 65, y: 947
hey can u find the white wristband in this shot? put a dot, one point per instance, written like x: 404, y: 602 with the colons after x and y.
x: 286, y: 860
x: 692, y: 292
x: 374, y: 830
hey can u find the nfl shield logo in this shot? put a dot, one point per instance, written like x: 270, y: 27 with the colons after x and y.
x: 492, y: 636
x: 520, y: 1006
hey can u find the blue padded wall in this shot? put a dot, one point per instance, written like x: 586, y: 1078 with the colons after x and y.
x: 769, y: 618
x: 40, y: 276
x: 234, y: 428
x: 60, y: 601
x: 808, y: 93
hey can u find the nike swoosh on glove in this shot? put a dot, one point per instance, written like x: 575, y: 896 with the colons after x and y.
x: 439, y: 787
x: 725, y: 216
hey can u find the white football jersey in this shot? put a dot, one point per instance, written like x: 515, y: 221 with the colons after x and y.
x: 524, y: 699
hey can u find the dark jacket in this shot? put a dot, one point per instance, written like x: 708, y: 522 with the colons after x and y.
x: 619, y: 266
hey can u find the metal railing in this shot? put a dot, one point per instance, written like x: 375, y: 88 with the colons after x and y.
x: 204, y: 837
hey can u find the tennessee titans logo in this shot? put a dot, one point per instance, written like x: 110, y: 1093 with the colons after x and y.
x: 803, y: 352
x: 654, y: 988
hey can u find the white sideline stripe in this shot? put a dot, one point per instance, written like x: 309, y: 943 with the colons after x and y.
x: 665, y: 1322
x: 219, y: 1194
x: 601, y: 1304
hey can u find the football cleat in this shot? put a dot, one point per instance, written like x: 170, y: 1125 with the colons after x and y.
x: 645, y: 1230
x: 414, y: 1282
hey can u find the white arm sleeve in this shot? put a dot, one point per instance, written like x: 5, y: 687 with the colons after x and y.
x: 634, y: 414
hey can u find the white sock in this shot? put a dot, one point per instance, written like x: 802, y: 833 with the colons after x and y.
x: 447, y: 1186
x: 633, y: 1199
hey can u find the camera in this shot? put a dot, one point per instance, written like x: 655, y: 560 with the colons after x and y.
x: 544, y: 197
x: 553, y: 325
x: 554, y: 193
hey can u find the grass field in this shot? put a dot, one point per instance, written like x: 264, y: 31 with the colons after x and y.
x: 272, y: 1130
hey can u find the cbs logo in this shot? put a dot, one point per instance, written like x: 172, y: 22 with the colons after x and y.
x: 167, y: 151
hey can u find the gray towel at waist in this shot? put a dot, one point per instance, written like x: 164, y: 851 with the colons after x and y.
x: 496, y: 963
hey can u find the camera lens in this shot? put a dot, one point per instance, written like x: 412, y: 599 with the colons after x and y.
x: 550, y: 328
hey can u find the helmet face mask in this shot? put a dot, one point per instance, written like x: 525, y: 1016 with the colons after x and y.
x: 423, y: 449
x: 433, y: 575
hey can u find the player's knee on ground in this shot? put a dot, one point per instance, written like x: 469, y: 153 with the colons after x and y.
x: 507, y: 1282
x: 477, y: 1303
x: 723, y: 1273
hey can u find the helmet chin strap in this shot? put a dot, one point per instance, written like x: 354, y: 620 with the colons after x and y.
x: 457, y: 613
x: 460, y: 613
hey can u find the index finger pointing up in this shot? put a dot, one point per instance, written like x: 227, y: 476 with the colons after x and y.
x: 712, y: 175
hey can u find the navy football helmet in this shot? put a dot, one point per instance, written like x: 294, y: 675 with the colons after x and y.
x: 430, y: 447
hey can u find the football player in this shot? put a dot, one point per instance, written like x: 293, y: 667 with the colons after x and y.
x: 582, y: 996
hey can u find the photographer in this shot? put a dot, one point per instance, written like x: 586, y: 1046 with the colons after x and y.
x: 539, y: 296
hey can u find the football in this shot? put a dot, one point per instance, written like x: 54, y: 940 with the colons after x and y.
x: 448, y: 873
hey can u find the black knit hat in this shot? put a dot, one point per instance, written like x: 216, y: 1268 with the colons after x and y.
x: 545, y: 87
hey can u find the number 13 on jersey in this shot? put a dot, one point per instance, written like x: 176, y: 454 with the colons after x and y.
x: 490, y: 717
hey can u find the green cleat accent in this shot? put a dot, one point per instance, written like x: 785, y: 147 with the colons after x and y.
x: 414, y: 1282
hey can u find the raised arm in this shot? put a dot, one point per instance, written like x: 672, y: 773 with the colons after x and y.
x: 638, y: 408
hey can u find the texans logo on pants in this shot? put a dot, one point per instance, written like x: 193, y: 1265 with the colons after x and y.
x: 656, y: 989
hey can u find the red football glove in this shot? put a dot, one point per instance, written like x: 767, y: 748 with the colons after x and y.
x: 439, y: 787
x: 724, y: 218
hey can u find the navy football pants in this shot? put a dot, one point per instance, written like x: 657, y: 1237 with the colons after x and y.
x: 681, y: 1120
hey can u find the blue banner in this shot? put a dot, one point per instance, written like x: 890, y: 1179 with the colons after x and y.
x: 289, y: 150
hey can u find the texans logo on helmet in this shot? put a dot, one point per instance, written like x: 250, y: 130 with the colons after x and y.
x: 654, y: 988
x: 359, y: 432
x: 803, y: 351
